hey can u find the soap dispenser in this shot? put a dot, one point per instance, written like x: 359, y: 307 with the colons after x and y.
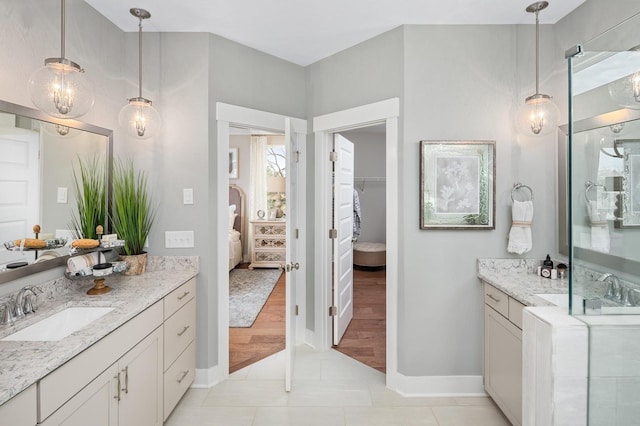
x: 547, y: 267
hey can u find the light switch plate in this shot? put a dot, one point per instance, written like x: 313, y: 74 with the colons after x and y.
x: 178, y: 239
x: 187, y: 196
x: 62, y: 195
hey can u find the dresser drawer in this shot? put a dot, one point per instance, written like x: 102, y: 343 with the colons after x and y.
x: 270, y: 229
x: 496, y: 299
x: 179, y: 331
x: 179, y: 297
x: 178, y: 378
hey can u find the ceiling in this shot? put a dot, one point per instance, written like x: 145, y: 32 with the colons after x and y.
x: 303, y: 32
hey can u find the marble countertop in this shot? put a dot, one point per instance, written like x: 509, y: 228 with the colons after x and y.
x: 524, y: 286
x: 24, y: 363
x: 516, y: 278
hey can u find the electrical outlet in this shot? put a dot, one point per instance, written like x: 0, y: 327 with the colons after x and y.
x: 178, y: 239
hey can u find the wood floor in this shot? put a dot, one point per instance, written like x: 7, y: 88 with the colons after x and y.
x: 265, y: 337
x: 365, y: 338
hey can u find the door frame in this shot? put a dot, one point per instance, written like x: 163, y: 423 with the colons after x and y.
x: 227, y: 116
x: 388, y: 112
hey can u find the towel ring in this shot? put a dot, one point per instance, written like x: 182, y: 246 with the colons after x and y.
x: 588, y: 186
x: 520, y: 186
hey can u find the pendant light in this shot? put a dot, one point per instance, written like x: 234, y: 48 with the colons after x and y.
x: 139, y: 119
x: 539, y: 115
x: 60, y: 88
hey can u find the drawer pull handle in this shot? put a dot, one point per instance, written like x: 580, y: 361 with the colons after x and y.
x: 492, y: 297
x: 184, y: 374
x: 185, y: 294
x: 184, y: 330
x: 126, y: 380
x: 117, y: 395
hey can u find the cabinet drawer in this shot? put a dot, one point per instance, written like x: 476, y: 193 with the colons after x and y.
x: 179, y: 297
x: 178, y: 378
x: 179, y: 331
x: 269, y: 243
x: 515, y: 312
x: 21, y: 409
x: 496, y: 299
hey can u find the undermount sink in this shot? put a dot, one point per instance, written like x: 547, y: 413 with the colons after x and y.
x: 560, y: 299
x: 59, y: 325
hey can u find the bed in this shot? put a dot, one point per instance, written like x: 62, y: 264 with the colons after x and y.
x: 236, y: 225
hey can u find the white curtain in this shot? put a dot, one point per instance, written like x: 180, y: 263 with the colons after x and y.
x: 258, y: 176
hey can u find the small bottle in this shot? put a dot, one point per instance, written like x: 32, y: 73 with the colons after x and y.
x: 548, y: 262
x: 547, y: 267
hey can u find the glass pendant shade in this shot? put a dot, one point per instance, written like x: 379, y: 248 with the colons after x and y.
x: 538, y: 115
x: 626, y: 91
x: 60, y: 89
x: 139, y: 119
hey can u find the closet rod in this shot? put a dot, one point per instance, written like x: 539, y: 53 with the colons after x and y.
x: 371, y: 178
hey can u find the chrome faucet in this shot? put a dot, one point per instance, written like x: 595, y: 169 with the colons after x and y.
x: 614, y: 290
x: 23, y: 301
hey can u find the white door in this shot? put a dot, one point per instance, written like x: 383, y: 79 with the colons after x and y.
x: 19, y: 185
x: 292, y: 262
x: 342, y: 244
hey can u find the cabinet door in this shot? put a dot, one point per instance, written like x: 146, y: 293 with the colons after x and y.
x: 21, y: 409
x: 141, y: 383
x: 95, y: 405
x: 503, y: 364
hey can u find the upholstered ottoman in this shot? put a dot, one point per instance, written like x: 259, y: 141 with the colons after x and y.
x: 369, y: 254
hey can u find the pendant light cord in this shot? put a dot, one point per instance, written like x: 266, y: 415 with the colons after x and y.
x: 537, y: 52
x: 62, y: 28
x: 140, y: 56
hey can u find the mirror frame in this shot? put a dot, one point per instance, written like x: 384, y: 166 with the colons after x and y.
x: 11, y: 108
x: 606, y: 260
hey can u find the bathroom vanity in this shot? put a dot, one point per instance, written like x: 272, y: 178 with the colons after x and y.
x: 131, y: 366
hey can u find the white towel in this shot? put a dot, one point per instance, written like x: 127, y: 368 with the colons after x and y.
x: 520, y: 240
x: 600, y: 238
x: 79, y: 264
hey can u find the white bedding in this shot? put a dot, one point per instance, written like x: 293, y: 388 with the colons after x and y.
x: 235, y: 248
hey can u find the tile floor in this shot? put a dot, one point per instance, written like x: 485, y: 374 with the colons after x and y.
x: 329, y: 389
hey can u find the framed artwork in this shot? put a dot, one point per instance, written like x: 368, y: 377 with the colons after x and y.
x: 233, y: 163
x: 630, y: 216
x: 457, y: 184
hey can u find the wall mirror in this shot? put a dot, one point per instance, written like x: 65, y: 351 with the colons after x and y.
x: 602, y: 146
x: 39, y: 155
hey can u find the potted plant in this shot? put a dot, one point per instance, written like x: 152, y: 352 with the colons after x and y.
x: 132, y: 213
x: 90, y: 192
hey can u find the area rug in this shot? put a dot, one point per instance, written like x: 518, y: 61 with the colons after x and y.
x: 248, y: 292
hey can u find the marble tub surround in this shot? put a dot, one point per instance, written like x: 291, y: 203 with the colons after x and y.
x: 23, y: 363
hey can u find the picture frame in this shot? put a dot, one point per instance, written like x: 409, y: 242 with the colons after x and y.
x: 630, y: 216
x: 233, y: 163
x: 457, y: 184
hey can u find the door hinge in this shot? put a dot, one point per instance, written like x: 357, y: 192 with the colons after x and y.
x: 333, y: 234
x: 333, y: 311
x: 297, y: 310
x: 297, y: 156
x: 333, y: 156
x: 297, y: 233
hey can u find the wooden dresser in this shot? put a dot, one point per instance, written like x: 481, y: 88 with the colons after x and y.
x: 268, y: 243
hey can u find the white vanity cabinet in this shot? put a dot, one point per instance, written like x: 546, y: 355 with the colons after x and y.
x: 503, y: 351
x: 179, y: 343
x: 128, y: 392
x: 21, y: 409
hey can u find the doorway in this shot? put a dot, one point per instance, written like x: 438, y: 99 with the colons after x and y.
x: 386, y: 113
x: 365, y: 337
x: 295, y: 130
x: 257, y: 215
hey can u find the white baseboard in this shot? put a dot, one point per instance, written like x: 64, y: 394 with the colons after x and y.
x: 208, y: 377
x: 310, y: 338
x: 436, y: 385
